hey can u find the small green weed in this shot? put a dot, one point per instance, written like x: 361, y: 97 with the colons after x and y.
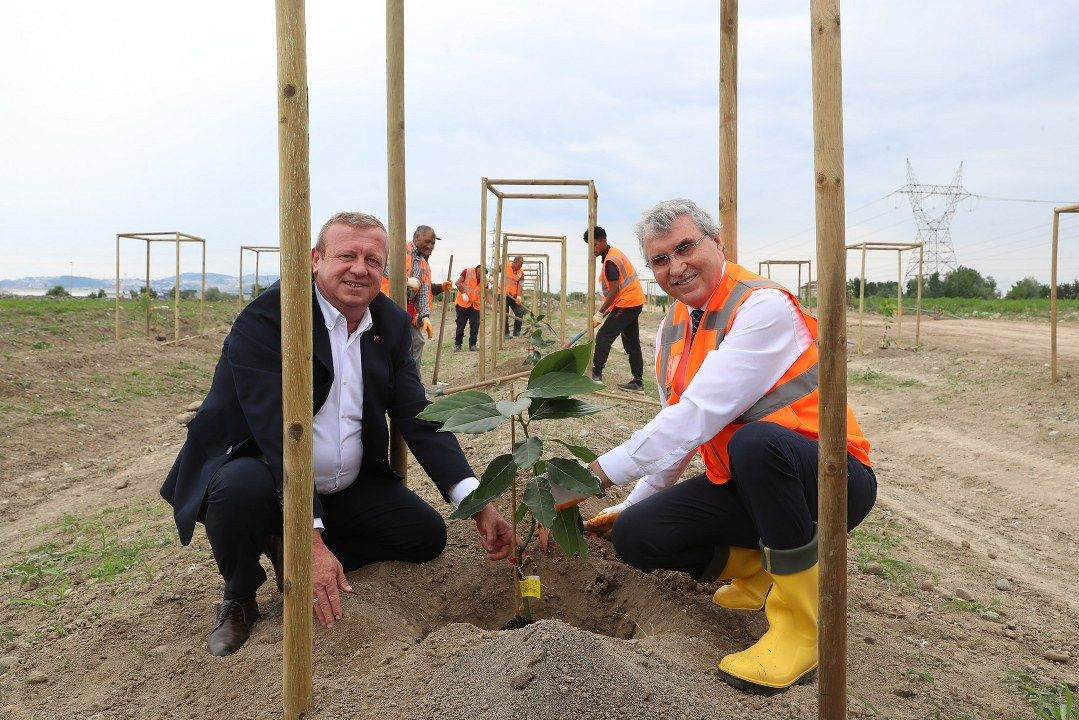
x: 877, y: 379
x: 1048, y: 702
x: 875, y: 541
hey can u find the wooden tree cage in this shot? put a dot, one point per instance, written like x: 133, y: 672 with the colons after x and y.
x: 507, y: 239
x: 257, y: 250
x: 766, y: 266
x: 1057, y: 212
x: 898, y: 249
x: 173, y: 236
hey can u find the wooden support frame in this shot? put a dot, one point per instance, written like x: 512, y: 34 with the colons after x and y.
x: 171, y: 236
x: 502, y: 189
x: 899, y: 249
x: 257, y: 250
x: 798, y: 291
x: 545, y: 275
x: 1057, y: 212
x: 563, y: 302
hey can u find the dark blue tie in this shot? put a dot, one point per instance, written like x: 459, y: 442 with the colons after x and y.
x: 694, y: 320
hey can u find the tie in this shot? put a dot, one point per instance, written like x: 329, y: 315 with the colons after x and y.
x: 694, y: 320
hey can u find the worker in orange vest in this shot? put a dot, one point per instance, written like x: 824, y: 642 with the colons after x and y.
x: 420, y: 292
x: 513, y: 275
x: 620, y: 313
x: 736, y: 366
x: 469, y: 301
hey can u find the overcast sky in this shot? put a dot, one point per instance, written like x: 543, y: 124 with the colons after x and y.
x: 135, y: 116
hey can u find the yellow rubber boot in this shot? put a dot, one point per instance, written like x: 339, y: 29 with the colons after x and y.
x: 786, y: 654
x: 749, y: 582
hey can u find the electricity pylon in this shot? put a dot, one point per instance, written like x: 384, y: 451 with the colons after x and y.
x: 934, y: 231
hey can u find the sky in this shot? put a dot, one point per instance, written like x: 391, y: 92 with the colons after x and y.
x: 135, y: 117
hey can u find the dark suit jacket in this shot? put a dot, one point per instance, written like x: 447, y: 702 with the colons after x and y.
x: 241, y: 415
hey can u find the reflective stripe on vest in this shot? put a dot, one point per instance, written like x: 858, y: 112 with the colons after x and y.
x: 627, y: 291
x: 472, y: 289
x: 789, y: 392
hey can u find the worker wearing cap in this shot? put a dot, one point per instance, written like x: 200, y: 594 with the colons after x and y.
x: 620, y: 313
x: 513, y: 275
x: 419, y: 293
x: 736, y: 366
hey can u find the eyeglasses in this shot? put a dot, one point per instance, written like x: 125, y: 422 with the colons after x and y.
x: 684, y: 250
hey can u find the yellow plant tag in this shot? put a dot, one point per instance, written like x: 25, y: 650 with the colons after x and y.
x: 530, y: 587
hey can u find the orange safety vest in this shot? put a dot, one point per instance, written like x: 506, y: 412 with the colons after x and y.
x: 628, y: 286
x: 513, y: 280
x: 791, y: 402
x: 425, y: 280
x: 471, y: 279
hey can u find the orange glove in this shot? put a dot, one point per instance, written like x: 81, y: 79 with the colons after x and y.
x: 427, y: 329
x: 447, y: 286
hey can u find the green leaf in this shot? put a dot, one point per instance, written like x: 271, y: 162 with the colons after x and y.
x: 579, y: 451
x: 496, y: 480
x: 527, y: 452
x: 561, y: 408
x: 570, y: 360
x: 540, y: 501
x: 560, y: 384
x: 518, y: 516
x: 572, y: 477
x: 510, y: 408
x: 442, y: 408
x: 473, y: 419
x: 539, y: 468
x: 566, y: 530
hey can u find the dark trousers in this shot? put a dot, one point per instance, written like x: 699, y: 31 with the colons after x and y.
x: 518, y: 313
x: 471, y: 316
x: 771, y: 499
x: 365, y: 523
x: 624, y: 322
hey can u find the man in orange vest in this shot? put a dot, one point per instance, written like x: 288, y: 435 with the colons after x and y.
x: 623, y: 298
x: 420, y: 293
x: 469, y: 301
x: 514, y: 273
x: 736, y: 365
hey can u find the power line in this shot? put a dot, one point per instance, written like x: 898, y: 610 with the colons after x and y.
x: 1022, y: 200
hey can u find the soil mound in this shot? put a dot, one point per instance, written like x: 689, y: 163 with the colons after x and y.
x: 554, y: 670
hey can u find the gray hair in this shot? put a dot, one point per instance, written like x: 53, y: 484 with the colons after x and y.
x: 658, y: 219
x: 357, y: 220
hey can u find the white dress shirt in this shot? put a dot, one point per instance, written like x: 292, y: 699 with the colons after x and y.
x: 767, y: 336
x: 337, y: 426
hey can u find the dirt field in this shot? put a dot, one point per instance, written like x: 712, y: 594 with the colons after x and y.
x: 960, y: 582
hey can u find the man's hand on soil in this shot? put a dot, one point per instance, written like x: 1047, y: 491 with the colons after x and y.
x: 496, y: 535
x: 327, y: 580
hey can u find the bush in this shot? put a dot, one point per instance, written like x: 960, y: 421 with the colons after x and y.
x: 1027, y: 289
x: 57, y: 291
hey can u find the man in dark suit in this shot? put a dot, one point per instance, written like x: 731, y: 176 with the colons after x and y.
x: 228, y: 474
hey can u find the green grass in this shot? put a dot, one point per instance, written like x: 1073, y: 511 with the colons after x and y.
x: 84, y: 547
x: 875, y: 541
x: 974, y: 307
x: 881, y: 380
x: 972, y: 606
x: 1049, y: 702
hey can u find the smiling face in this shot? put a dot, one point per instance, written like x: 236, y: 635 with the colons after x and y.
x: 349, y: 271
x: 425, y: 242
x: 690, y: 279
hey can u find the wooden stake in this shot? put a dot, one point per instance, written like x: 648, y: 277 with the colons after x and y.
x: 728, y: 126
x: 831, y: 259
x: 442, y: 324
x: 148, y: 289
x: 395, y: 162
x: 918, y: 317
x: 241, y: 278
x: 483, y: 383
x: 861, y: 295
x: 202, y: 292
x: 116, y: 317
x: 176, y: 295
x: 591, y: 306
x: 483, y: 278
x: 496, y: 274
x: 296, y: 351
x: 899, y: 297
x: 1053, y: 299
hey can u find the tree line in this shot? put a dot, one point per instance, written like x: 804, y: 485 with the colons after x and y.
x: 965, y: 282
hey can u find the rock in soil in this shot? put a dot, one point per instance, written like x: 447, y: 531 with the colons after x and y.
x: 36, y: 677
x: 964, y: 595
x: 1005, y: 585
x: 873, y: 568
x: 8, y: 662
x: 1057, y: 656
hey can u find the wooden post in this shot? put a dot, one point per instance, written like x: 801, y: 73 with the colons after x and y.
x: 116, y: 317
x: 861, y: 291
x: 258, y: 256
x: 296, y: 351
x: 241, y: 278
x: 728, y: 126
x: 483, y: 278
x: 1053, y: 299
x: 395, y: 162
x: 202, y: 292
x: 442, y: 324
x: 899, y: 298
x: 918, y: 317
x: 831, y: 259
x: 147, y: 288
x: 562, y: 302
x: 591, y: 296
x: 809, y: 287
x: 176, y: 295
x: 496, y: 273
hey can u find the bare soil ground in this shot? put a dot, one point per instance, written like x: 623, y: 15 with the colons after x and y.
x: 103, y: 615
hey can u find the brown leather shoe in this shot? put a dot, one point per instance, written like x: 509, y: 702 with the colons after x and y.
x: 233, y: 625
x: 275, y: 550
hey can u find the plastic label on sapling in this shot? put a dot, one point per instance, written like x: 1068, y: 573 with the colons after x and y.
x: 530, y: 587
